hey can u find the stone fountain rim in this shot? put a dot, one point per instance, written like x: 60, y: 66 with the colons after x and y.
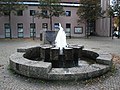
x: 44, y: 70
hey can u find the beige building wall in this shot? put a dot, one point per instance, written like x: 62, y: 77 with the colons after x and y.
x: 102, y: 25
x: 26, y: 19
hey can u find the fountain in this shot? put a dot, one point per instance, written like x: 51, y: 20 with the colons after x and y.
x: 61, y: 61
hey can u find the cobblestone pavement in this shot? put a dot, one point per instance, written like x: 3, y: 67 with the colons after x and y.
x: 11, y: 81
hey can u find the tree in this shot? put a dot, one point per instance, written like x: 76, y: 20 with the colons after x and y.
x: 50, y: 8
x: 114, y: 11
x: 110, y: 13
x: 117, y: 10
x: 89, y: 11
x: 10, y: 6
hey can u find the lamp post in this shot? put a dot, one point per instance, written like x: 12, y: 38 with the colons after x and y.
x: 33, y: 16
x: 119, y: 25
x: 10, y: 8
x: 118, y: 18
x: 50, y: 16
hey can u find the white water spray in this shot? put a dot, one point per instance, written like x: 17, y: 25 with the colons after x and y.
x: 60, y: 40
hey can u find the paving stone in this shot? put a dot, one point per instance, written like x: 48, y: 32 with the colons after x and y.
x: 16, y: 82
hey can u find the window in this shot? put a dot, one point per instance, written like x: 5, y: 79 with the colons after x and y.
x: 19, y: 13
x: 56, y: 14
x: 56, y: 26
x: 32, y: 12
x: 91, y: 27
x: 68, y: 13
x: 6, y: 13
x: 7, y: 30
x: 45, y: 26
x: 68, y: 25
x: 68, y: 29
x: 20, y: 30
x: 32, y: 30
x: 44, y: 12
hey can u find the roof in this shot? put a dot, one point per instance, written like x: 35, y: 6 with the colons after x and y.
x: 68, y: 3
x: 64, y: 4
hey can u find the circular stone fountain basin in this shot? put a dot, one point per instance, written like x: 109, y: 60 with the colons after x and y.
x: 44, y: 70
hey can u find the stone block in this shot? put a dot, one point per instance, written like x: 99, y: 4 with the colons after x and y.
x: 12, y: 65
x: 33, y: 53
x: 54, y: 53
x: 23, y: 66
x: 23, y: 69
x: 23, y: 49
x: 68, y: 53
x: 49, y: 36
x: 89, y: 54
x: 41, y: 71
x: 45, y: 53
x: 104, y: 59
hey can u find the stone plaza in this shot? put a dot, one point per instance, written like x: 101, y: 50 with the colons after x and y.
x: 12, y: 81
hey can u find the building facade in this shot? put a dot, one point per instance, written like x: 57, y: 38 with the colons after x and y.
x: 23, y: 24
x: 103, y: 25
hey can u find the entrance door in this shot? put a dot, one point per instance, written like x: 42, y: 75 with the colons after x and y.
x: 68, y: 30
x: 20, y: 30
x: 32, y: 30
x: 91, y: 28
x: 7, y: 30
